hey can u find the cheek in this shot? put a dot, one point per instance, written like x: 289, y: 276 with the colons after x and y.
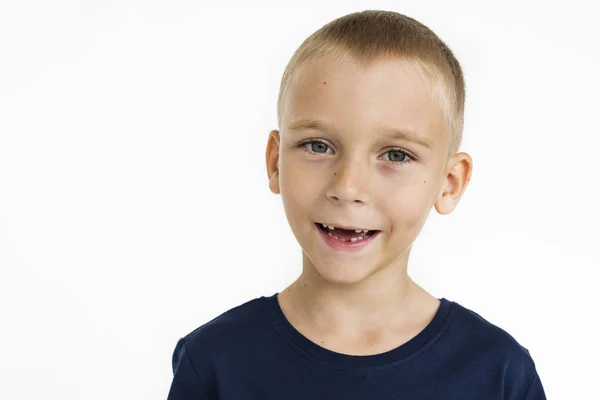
x: 301, y: 187
x: 408, y: 204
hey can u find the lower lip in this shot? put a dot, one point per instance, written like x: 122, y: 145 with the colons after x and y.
x: 349, y: 246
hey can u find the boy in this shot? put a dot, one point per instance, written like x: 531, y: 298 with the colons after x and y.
x: 371, y: 115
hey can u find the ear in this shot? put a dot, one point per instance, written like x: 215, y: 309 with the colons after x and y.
x: 272, y: 158
x: 457, y: 177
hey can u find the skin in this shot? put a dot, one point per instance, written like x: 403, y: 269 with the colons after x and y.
x: 361, y: 303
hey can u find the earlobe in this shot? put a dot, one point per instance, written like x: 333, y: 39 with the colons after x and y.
x: 274, y: 183
x: 445, y: 204
x: 455, y: 183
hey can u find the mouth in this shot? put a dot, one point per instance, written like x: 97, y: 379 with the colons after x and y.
x: 346, y: 234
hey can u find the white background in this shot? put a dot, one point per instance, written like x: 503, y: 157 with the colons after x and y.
x: 134, y: 204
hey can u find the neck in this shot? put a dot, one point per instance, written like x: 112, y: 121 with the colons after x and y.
x: 387, y: 297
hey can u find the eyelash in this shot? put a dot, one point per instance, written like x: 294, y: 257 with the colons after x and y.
x: 407, y: 160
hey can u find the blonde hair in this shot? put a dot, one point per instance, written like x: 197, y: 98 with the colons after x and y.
x: 371, y: 35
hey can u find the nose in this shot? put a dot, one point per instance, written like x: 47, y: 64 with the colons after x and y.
x: 349, y: 183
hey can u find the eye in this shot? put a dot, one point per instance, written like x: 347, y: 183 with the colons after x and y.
x: 315, y: 146
x: 397, y: 156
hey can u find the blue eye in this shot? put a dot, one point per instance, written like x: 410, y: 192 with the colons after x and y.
x: 398, y: 157
x: 316, y: 146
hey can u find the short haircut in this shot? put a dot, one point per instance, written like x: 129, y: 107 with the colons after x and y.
x: 368, y: 36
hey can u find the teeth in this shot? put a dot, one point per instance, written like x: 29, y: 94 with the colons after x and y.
x: 354, y: 239
x: 331, y: 228
x: 335, y: 237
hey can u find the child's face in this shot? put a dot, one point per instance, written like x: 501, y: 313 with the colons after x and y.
x: 343, y: 166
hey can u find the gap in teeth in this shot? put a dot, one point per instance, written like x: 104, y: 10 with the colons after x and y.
x: 331, y: 228
x: 354, y: 239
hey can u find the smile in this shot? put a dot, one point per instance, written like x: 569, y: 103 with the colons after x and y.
x: 346, y: 235
x: 346, y: 238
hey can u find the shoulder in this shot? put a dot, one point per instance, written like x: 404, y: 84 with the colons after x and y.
x: 477, y: 331
x: 227, y: 329
x: 493, y: 350
x: 217, y: 342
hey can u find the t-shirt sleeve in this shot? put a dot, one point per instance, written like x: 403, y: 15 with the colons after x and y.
x: 186, y: 384
x: 535, y: 390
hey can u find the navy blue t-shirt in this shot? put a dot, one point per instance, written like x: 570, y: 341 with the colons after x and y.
x: 253, y: 352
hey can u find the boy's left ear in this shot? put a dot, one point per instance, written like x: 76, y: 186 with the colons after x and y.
x: 272, y: 158
x: 458, y: 175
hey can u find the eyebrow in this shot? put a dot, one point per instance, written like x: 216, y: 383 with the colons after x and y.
x: 401, y: 134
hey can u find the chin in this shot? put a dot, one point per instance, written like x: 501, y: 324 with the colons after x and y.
x: 342, y: 274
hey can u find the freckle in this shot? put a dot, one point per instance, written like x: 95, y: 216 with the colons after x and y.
x: 324, y: 83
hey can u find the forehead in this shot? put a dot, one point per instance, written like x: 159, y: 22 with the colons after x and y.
x: 392, y: 94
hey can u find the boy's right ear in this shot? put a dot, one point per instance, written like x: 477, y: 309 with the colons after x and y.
x: 272, y: 158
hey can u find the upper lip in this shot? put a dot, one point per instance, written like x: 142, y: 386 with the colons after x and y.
x: 346, y: 227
